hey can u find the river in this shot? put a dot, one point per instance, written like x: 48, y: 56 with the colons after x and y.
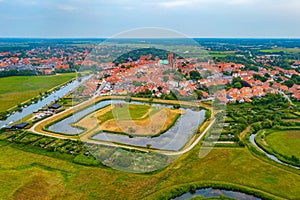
x: 42, y: 103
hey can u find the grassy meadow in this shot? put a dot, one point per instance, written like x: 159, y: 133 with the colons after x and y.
x: 285, y: 142
x: 278, y: 50
x: 221, y: 54
x: 126, y: 112
x: 51, y: 178
x: 17, y: 89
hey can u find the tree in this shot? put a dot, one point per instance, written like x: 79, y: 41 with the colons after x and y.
x: 267, y: 75
x: 165, y: 78
x: 289, y: 83
x: 226, y: 73
x: 195, y: 75
x: 258, y: 77
x: 237, y: 85
x: 256, y: 127
x: 267, y: 124
x: 198, y: 94
x: 253, y: 68
x: 3, y: 115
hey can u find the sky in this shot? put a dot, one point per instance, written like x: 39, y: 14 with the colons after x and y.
x: 194, y: 18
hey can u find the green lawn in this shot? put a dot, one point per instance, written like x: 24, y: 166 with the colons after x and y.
x: 17, y: 89
x: 125, y: 112
x: 131, y: 111
x: 25, y: 175
x: 285, y: 142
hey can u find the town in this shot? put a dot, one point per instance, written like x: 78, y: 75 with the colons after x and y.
x: 187, y: 77
x: 67, y: 101
x: 158, y: 77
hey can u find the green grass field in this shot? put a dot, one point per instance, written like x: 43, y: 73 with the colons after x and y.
x: 221, y: 54
x: 286, y: 50
x: 130, y: 111
x: 25, y: 175
x: 17, y: 89
x: 285, y: 142
x: 125, y: 112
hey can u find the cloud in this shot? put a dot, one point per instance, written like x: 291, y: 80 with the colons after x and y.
x: 241, y: 2
x: 169, y: 4
x: 66, y: 7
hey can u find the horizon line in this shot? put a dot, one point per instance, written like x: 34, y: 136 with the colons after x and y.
x: 193, y: 37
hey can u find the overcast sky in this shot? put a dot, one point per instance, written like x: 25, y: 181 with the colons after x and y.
x: 105, y: 18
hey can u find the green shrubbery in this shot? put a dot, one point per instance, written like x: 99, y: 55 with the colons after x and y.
x: 70, y: 150
x: 86, y: 160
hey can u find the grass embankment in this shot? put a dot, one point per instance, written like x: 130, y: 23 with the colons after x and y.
x: 29, y: 175
x: 284, y: 144
x: 139, y: 120
x: 18, y: 89
x: 129, y: 119
x: 41, y: 127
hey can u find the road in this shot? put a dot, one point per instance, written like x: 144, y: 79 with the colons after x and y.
x: 35, y: 130
x: 286, y: 97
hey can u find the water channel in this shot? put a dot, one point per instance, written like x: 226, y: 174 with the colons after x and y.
x: 210, y: 192
x: 55, y: 95
x: 274, y: 158
x: 173, y: 139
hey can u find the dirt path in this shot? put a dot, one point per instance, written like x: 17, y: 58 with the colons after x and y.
x: 243, y: 134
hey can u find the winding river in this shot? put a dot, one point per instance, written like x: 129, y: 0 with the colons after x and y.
x: 274, y: 158
x: 173, y: 139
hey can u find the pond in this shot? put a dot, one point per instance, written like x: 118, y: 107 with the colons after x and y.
x: 210, y: 192
x: 173, y: 139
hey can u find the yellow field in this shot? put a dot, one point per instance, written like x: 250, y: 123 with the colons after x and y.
x: 146, y: 126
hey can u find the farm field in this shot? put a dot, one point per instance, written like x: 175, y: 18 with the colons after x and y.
x: 51, y: 178
x: 285, y: 142
x: 277, y: 50
x: 17, y: 89
x: 221, y: 54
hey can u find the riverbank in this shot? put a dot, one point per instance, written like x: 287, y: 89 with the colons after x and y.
x: 43, y: 126
x: 21, y: 89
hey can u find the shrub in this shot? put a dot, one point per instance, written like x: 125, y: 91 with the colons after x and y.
x: 86, y: 160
